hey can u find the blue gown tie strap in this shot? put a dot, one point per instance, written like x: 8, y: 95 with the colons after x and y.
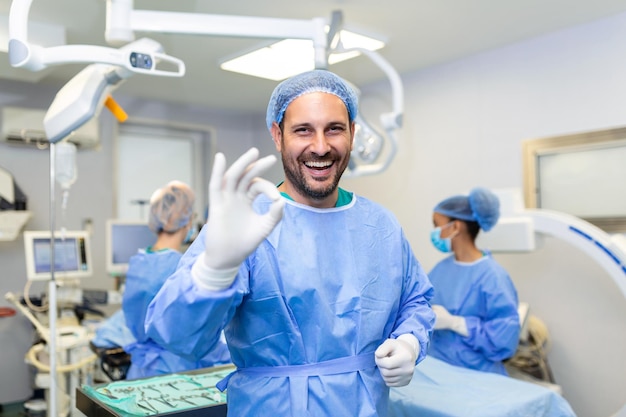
x: 330, y: 367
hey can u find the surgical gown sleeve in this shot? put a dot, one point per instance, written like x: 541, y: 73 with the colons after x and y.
x: 187, y: 319
x: 415, y: 315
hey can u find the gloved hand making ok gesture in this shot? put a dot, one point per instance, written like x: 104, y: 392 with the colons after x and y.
x: 234, y: 229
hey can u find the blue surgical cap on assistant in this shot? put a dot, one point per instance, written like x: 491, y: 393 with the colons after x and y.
x: 309, y: 82
x: 171, y: 207
x: 481, y: 206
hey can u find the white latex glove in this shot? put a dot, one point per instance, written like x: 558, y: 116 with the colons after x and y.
x: 396, y: 358
x: 234, y: 229
x: 445, y: 320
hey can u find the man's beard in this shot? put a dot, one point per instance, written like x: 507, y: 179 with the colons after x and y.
x: 297, y: 178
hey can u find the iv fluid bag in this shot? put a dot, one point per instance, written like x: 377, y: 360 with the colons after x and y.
x: 65, y: 160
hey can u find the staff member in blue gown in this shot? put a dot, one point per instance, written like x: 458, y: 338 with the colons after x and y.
x: 324, y: 304
x: 475, y: 301
x: 171, y: 219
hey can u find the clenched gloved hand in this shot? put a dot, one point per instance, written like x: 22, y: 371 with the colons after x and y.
x: 396, y: 358
x: 445, y: 320
x: 234, y: 229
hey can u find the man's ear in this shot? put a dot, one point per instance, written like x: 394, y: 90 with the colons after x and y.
x: 277, y: 135
x: 353, y: 132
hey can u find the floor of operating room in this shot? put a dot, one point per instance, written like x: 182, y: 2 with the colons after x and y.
x: 12, y: 410
x: 17, y: 409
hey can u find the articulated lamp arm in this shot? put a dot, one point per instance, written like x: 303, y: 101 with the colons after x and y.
x: 368, y: 142
x: 122, y: 21
x: 36, y: 58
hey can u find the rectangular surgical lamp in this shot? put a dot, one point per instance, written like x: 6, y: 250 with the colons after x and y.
x: 281, y: 60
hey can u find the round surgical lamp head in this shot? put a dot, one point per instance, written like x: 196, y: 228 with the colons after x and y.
x: 368, y: 143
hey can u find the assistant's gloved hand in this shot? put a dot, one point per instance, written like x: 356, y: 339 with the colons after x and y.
x: 234, y: 229
x: 396, y: 358
x: 445, y: 320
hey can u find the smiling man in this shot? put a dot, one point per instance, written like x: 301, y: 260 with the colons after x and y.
x: 315, y: 140
x: 322, y: 301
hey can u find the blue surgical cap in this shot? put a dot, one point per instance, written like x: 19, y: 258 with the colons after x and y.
x: 171, y: 207
x: 309, y: 82
x: 481, y: 206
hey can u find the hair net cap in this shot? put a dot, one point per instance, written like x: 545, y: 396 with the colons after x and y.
x: 309, y: 82
x: 171, y: 207
x: 481, y: 206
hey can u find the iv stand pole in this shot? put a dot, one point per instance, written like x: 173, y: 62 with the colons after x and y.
x: 52, y: 293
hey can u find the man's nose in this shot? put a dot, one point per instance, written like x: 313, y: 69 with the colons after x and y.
x: 320, y: 145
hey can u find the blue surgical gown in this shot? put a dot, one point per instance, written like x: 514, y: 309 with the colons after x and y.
x: 481, y: 292
x: 147, y: 271
x: 326, y: 284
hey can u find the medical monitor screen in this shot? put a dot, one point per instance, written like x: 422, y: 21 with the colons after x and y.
x: 124, y: 239
x: 71, y: 255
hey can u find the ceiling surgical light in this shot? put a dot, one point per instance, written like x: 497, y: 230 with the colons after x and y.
x: 288, y: 57
x: 83, y: 96
x: 275, y: 62
x: 318, y: 43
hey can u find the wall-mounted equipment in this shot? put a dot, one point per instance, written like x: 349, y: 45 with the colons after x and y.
x: 24, y: 127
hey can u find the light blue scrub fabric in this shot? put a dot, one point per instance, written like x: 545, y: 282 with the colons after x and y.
x: 439, y: 389
x: 482, y: 292
x: 147, y: 271
x: 113, y: 332
x: 327, y: 284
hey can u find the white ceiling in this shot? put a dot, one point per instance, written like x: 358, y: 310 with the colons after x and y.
x: 420, y: 33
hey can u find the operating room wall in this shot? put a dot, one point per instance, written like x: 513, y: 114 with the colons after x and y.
x: 464, y: 125
x: 91, y: 197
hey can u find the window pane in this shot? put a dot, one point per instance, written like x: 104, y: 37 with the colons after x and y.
x: 147, y: 162
x: 586, y: 183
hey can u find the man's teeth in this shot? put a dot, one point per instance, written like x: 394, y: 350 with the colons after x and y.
x: 318, y: 164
